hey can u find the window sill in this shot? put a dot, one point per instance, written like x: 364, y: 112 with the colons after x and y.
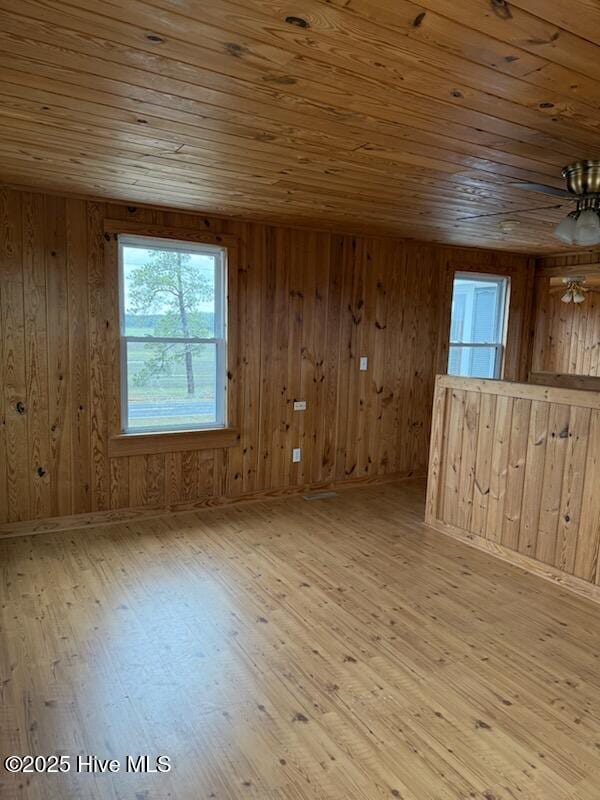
x: 140, y: 444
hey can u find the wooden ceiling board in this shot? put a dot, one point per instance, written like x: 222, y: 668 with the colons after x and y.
x: 124, y: 41
x: 411, y: 119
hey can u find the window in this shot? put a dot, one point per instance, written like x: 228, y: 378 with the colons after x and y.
x: 173, y: 353
x: 477, y: 325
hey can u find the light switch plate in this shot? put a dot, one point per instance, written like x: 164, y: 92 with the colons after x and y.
x: 296, y: 455
x: 364, y: 363
x: 299, y: 405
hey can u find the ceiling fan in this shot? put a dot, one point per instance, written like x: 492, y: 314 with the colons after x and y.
x: 581, y: 226
x: 573, y: 290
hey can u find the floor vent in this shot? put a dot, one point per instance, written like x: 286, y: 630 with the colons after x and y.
x: 319, y: 495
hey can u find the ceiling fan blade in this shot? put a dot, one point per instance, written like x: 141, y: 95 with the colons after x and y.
x: 543, y: 189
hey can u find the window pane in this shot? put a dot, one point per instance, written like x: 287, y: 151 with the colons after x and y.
x: 485, y: 314
x: 171, y: 385
x: 477, y: 310
x: 457, y: 323
x: 472, y: 362
x: 169, y: 293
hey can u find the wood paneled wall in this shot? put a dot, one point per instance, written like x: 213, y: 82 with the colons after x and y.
x: 566, y: 336
x: 515, y: 469
x: 308, y: 305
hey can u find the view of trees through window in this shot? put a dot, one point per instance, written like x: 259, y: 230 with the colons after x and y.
x: 172, y: 335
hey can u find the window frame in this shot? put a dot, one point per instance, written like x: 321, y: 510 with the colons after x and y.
x: 501, y: 321
x: 150, y: 241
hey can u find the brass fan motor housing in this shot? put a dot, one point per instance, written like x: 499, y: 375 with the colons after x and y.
x: 583, y: 178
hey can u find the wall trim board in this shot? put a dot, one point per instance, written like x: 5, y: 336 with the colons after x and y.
x: 123, y: 516
x: 529, y: 318
x: 126, y: 226
x: 132, y: 444
x: 564, y: 270
x: 561, y: 579
x: 585, y: 382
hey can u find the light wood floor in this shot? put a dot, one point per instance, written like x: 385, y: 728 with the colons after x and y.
x: 289, y: 649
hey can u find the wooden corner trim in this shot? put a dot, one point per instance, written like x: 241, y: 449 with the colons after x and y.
x: 136, y: 444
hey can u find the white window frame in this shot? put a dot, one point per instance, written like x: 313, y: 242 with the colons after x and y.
x: 220, y: 330
x: 501, y: 321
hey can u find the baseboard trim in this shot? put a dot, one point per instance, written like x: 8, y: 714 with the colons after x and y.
x: 573, y: 584
x: 122, y: 516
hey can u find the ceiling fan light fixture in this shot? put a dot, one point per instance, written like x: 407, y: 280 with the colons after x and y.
x: 575, y: 290
x: 587, y: 227
x: 565, y: 230
x: 582, y: 178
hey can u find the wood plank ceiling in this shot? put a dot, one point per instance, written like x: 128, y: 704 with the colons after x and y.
x: 364, y: 115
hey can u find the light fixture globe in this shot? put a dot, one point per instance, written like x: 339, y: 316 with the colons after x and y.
x: 587, y: 227
x: 565, y: 230
x: 575, y: 290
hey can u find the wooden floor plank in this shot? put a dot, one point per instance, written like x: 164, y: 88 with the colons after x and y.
x: 288, y: 650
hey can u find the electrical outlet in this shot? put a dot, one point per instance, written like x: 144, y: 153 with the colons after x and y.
x: 296, y: 455
x: 364, y: 362
x: 299, y: 405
